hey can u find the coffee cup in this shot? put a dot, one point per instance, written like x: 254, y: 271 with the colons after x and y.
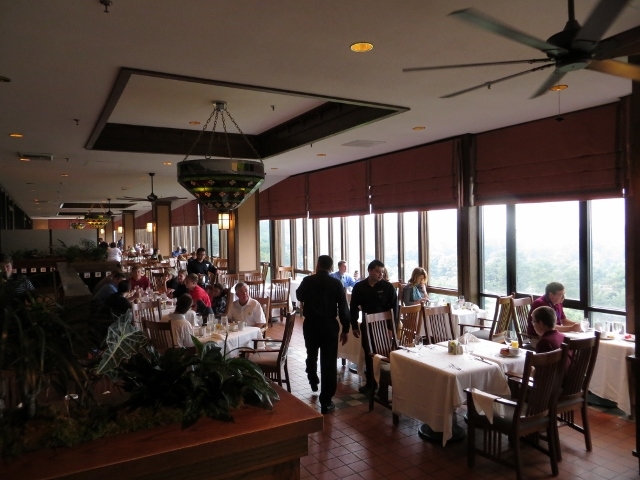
x: 468, y: 305
x: 241, y: 326
x: 514, y: 351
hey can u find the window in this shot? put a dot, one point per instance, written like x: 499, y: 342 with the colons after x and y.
x: 353, y: 243
x: 494, y: 250
x: 309, y: 258
x: 286, y: 243
x: 607, y: 254
x: 390, y: 229
x: 214, y: 240
x: 323, y: 236
x: 411, y: 243
x: 299, y: 244
x: 336, y: 254
x: 369, y: 240
x: 443, y: 248
x: 547, y: 247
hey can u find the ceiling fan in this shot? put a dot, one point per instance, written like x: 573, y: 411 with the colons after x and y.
x: 152, y: 197
x: 574, y: 48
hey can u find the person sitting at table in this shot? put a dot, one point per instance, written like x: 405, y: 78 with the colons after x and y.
x: 201, y: 267
x: 416, y: 289
x: 170, y: 281
x: 181, y: 328
x: 245, y: 308
x: 117, y: 304
x: 114, y: 254
x: 553, y: 298
x: 544, y: 321
x: 105, y: 291
x: 175, y: 253
x: 201, y: 301
x: 218, y: 295
x: 180, y: 289
x: 21, y: 286
x: 137, y: 279
x: 342, y: 275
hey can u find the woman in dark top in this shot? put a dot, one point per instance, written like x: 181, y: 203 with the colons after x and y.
x: 218, y: 295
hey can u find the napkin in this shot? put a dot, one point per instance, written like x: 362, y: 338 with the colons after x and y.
x: 216, y: 336
x: 467, y: 337
x: 485, y: 404
x: 377, y: 359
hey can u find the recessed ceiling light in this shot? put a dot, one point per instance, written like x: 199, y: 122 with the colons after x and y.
x: 559, y: 87
x: 321, y: 155
x: 194, y: 122
x: 64, y: 174
x: 166, y: 163
x: 418, y: 128
x: 361, y: 47
x: 124, y: 188
x: 274, y: 168
x: 16, y: 135
x: 24, y: 159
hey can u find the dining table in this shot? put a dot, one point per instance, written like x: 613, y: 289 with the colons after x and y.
x: 429, y: 384
x: 610, y: 378
x: 234, y: 339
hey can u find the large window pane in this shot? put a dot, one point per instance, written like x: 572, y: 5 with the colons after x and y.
x: 214, y: 236
x: 265, y: 241
x: 443, y: 248
x: 369, y: 241
x: 494, y: 250
x: 547, y: 247
x: 311, y: 265
x: 353, y: 245
x: 286, y: 243
x: 336, y: 254
x: 299, y: 244
x: 390, y: 225
x: 323, y: 234
x: 607, y: 253
x: 411, y: 248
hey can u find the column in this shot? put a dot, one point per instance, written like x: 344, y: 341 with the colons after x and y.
x: 128, y: 228
x: 162, y: 227
x: 244, y: 238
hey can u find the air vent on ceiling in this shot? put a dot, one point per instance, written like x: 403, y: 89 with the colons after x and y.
x: 43, y: 157
x: 363, y: 143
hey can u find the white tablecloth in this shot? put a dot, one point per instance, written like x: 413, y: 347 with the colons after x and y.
x: 353, y: 351
x: 235, y: 340
x: 610, y: 376
x: 427, y: 388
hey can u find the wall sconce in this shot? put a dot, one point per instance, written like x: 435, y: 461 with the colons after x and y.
x: 120, y: 229
x: 224, y: 220
x: 102, y: 231
x: 150, y: 227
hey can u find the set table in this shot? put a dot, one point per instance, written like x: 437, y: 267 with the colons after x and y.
x: 235, y: 340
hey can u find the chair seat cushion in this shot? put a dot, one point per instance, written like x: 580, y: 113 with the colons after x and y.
x: 482, y: 334
x: 505, y: 424
x: 267, y: 359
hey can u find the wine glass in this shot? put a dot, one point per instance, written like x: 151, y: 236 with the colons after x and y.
x: 471, y: 345
x: 509, y: 337
x: 418, y: 343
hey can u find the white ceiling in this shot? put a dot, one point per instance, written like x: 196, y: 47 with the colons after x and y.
x: 63, y: 59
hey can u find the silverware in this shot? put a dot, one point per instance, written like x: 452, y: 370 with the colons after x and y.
x: 451, y: 365
x: 481, y: 360
x: 405, y: 348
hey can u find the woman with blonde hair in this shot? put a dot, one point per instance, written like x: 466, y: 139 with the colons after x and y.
x: 416, y: 289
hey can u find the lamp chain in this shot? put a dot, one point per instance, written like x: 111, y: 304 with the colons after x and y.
x: 226, y: 136
x: 200, y: 134
x: 213, y: 133
x: 245, y: 138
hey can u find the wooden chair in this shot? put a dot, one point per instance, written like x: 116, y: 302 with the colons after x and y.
x: 382, y: 341
x: 256, y: 288
x: 157, y: 282
x: 438, y: 324
x: 520, y: 308
x: 160, y: 335
x: 264, y: 270
x: 227, y: 280
x: 265, y: 303
x: 583, y: 353
x: 251, y: 276
x: 531, y: 413
x: 410, y: 318
x: 146, y: 311
x: 497, y: 330
x: 284, y: 272
x: 399, y: 286
x: 273, y: 361
x: 222, y: 264
x: 279, y: 294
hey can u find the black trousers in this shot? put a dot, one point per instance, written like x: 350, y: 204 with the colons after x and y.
x: 322, y: 335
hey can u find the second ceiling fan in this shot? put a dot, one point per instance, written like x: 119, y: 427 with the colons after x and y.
x: 152, y: 197
x: 574, y: 48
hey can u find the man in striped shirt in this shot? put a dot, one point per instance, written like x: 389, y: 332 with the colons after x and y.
x: 20, y: 284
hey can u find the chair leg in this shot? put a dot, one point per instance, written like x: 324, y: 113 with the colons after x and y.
x: 552, y: 433
x: 585, y: 426
x: 515, y: 441
x: 471, y: 444
x: 396, y: 419
x: 286, y: 373
x: 372, y: 393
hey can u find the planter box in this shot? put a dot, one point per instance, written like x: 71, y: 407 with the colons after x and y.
x: 260, y: 444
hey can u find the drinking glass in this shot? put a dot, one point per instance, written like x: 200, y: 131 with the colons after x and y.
x: 418, y: 343
x: 461, y: 301
x: 509, y: 337
x: 585, y: 324
x: 471, y: 345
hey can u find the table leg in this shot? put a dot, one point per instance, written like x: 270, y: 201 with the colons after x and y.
x: 427, y: 433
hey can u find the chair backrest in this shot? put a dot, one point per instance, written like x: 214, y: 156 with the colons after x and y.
x: 520, y: 308
x: 286, y: 338
x: 157, y: 281
x: 438, y: 324
x: 227, y: 280
x: 146, y: 311
x: 279, y: 292
x: 538, y: 395
x: 501, y: 318
x: 160, y: 335
x: 265, y: 303
x: 399, y: 286
x: 264, y: 270
x: 410, y: 318
x: 382, y: 338
x: 582, y: 360
x: 256, y: 288
x: 222, y: 263
x: 251, y: 276
x: 284, y: 272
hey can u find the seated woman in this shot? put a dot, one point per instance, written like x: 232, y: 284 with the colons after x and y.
x: 218, y: 295
x: 114, y: 254
x: 416, y: 290
x: 544, y: 321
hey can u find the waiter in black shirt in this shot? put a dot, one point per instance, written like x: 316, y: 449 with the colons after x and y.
x: 201, y: 267
x: 372, y: 295
x: 323, y: 296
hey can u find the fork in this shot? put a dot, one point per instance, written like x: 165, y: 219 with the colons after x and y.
x: 455, y: 366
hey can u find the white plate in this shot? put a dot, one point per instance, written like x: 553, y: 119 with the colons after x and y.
x: 508, y: 355
x: 607, y: 338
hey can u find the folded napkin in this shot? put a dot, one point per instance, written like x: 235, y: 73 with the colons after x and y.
x: 377, y: 360
x: 467, y: 337
x: 216, y: 336
x: 485, y: 404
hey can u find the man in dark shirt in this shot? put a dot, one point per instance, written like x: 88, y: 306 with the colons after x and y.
x: 553, y: 298
x: 201, y: 267
x: 372, y: 295
x: 544, y: 322
x: 116, y: 303
x: 323, y: 296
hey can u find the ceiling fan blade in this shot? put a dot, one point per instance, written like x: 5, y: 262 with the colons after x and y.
x: 623, y: 44
x: 503, y: 79
x: 484, y: 64
x: 551, y: 80
x: 485, y: 22
x: 597, y: 24
x: 171, y: 199
x: 134, y: 199
x: 613, y: 67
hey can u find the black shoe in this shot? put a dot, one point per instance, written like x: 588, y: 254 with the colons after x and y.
x: 314, y: 387
x: 330, y: 407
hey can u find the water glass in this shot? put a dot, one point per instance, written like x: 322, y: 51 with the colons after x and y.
x: 461, y: 301
x: 585, y: 324
x: 471, y: 345
x: 418, y: 342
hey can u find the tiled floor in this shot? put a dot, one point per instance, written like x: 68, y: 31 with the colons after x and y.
x: 358, y: 444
